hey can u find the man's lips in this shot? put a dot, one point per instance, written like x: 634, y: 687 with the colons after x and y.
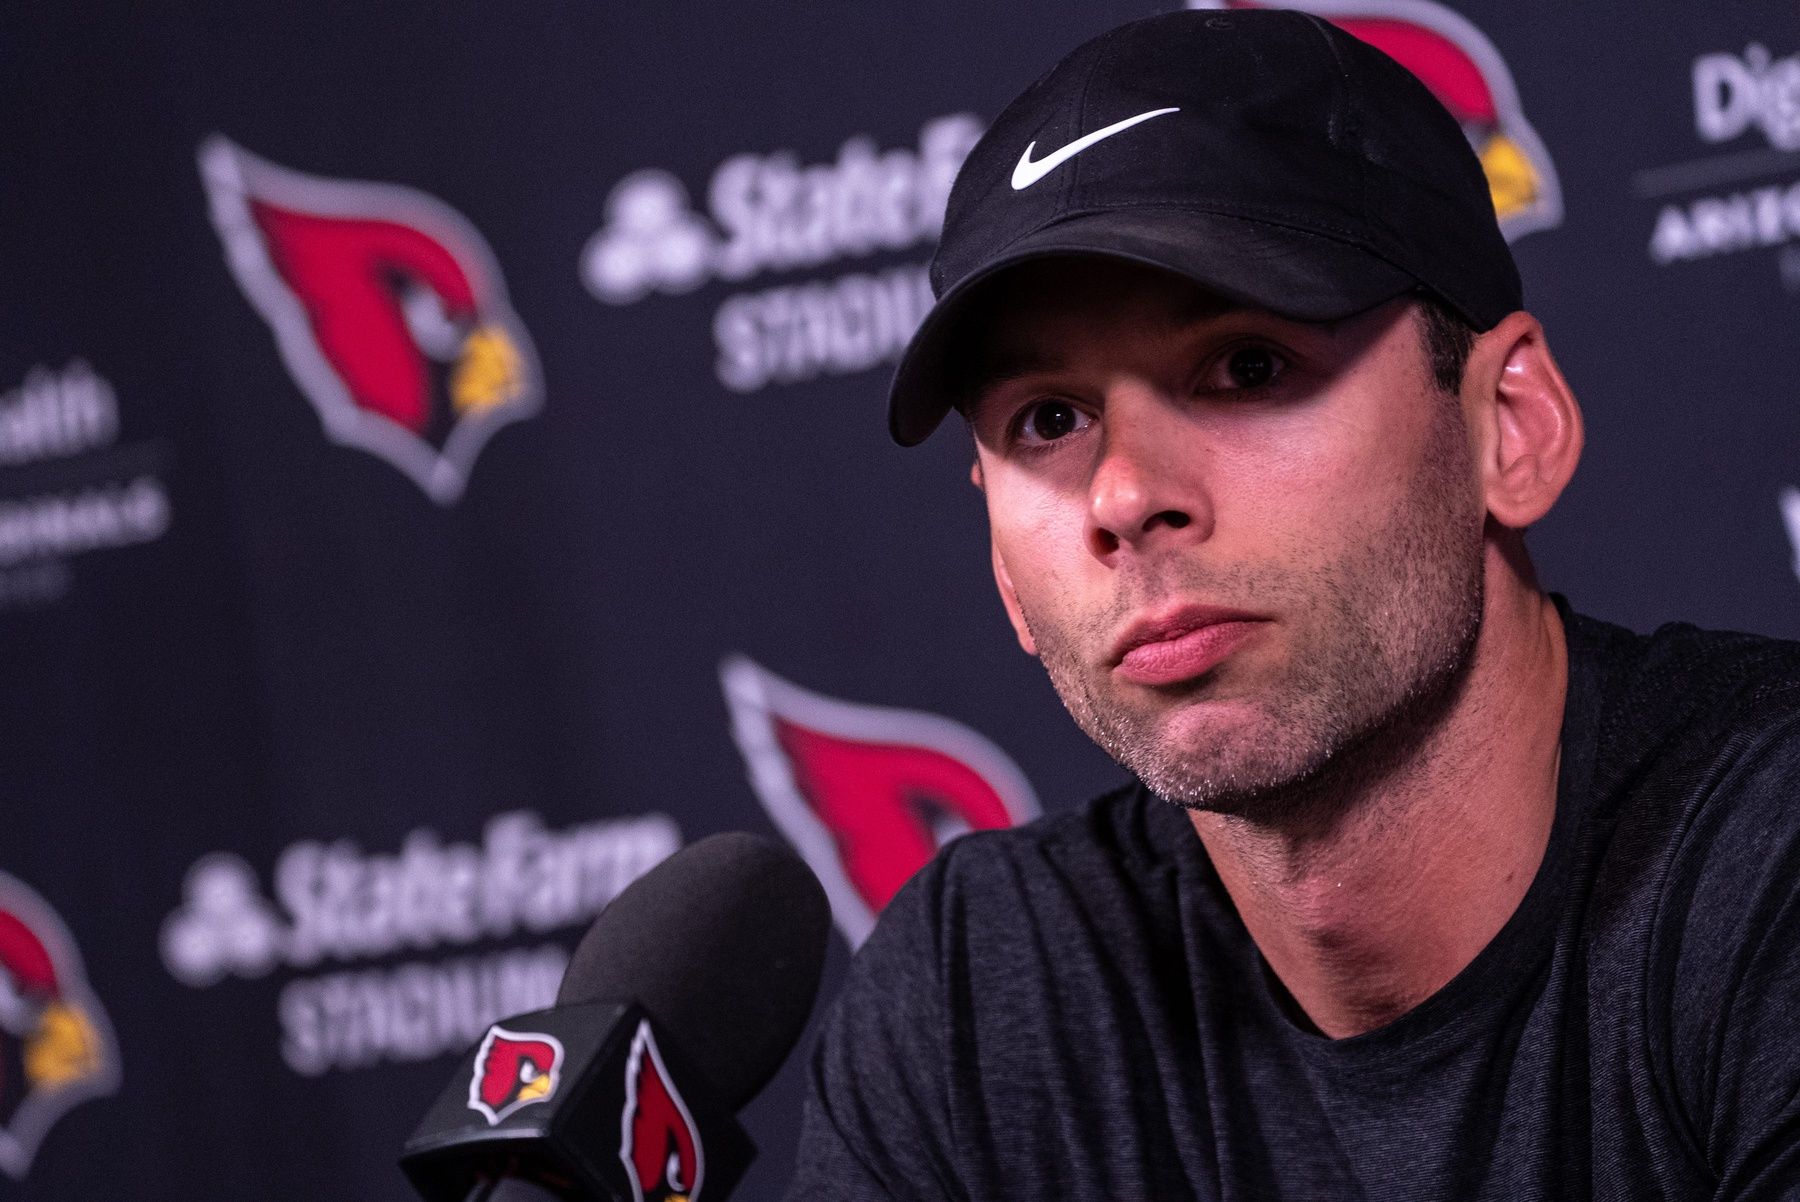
x: 1180, y: 645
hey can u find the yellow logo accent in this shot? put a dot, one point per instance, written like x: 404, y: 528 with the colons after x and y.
x: 1512, y: 180
x: 64, y: 1048
x: 489, y: 372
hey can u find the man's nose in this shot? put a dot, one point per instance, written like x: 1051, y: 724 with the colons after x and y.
x: 1148, y: 487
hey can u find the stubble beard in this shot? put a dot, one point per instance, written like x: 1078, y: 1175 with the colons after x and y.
x: 1382, y: 635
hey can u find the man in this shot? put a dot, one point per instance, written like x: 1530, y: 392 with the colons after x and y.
x: 1461, y: 895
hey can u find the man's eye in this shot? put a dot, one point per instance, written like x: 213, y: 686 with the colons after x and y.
x: 1047, y: 421
x: 1246, y: 367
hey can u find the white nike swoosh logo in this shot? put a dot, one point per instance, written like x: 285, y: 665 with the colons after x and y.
x: 1028, y: 173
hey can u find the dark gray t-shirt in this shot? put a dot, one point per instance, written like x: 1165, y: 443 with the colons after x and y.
x: 1074, y: 1010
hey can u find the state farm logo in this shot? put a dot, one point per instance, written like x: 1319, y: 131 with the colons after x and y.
x: 1714, y: 205
x: 387, y: 307
x: 769, y: 213
x: 867, y: 794
x: 332, y: 901
x: 1469, y: 77
x: 652, y: 241
x: 56, y: 1045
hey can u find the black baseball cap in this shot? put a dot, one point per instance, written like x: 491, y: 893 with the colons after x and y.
x: 1266, y: 155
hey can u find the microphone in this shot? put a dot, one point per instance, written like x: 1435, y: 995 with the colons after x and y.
x: 679, y: 1004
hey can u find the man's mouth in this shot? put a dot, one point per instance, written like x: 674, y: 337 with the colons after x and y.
x: 1180, y: 644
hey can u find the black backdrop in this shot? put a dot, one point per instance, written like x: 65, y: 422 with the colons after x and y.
x: 442, y: 469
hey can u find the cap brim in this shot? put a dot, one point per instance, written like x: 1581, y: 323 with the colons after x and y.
x: 1287, y: 271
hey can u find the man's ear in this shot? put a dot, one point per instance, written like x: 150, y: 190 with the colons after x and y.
x: 1528, y: 426
x: 1010, y: 599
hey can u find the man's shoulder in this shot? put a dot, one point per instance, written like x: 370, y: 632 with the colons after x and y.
x: 1682, y: 685
x: 1693, y: 742
x: 1696, y: 791
x: 1697, y: 848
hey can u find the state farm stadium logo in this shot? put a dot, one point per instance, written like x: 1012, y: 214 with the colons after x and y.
x: 387, y: 307
x: 867, y: 794
x: 769, y: 213
x: 56, y: 1045
x: 1469, y: 77
x: 351, y: 934
x: 1743, y: 192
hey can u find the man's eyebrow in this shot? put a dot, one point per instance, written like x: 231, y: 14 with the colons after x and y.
x: 1003, y: 368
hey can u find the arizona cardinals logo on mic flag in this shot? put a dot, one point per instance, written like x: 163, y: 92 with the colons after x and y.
x: 1466, y: 73
x: 659, y: 1143
x: 387, y: 307
x: 866, y: 793
x: 513, y: 1070
x: 56, y: 1045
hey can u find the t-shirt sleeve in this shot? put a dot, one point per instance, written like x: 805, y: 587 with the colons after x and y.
x: 875, y: 1122
x: 1734, y: 985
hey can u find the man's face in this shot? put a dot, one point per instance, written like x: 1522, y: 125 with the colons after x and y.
x: 1240, y: 544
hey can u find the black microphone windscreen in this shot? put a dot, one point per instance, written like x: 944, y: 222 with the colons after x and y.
x: 723, y: 944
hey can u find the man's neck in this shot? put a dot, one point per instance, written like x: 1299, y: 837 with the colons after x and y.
x: 1373, y: 895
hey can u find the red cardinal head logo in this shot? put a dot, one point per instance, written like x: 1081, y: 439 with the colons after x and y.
x: 1466, y: 73
x: 387, y: 308
x: 513, y: 1070
x: 56, y: 1046
x: 866, y: 793
x: 659, y: 1144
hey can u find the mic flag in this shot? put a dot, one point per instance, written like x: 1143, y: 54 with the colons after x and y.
x: 590, y: 1101
x: 679, y: 1004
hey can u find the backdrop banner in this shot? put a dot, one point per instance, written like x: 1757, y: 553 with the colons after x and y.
x: 443, y: 470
